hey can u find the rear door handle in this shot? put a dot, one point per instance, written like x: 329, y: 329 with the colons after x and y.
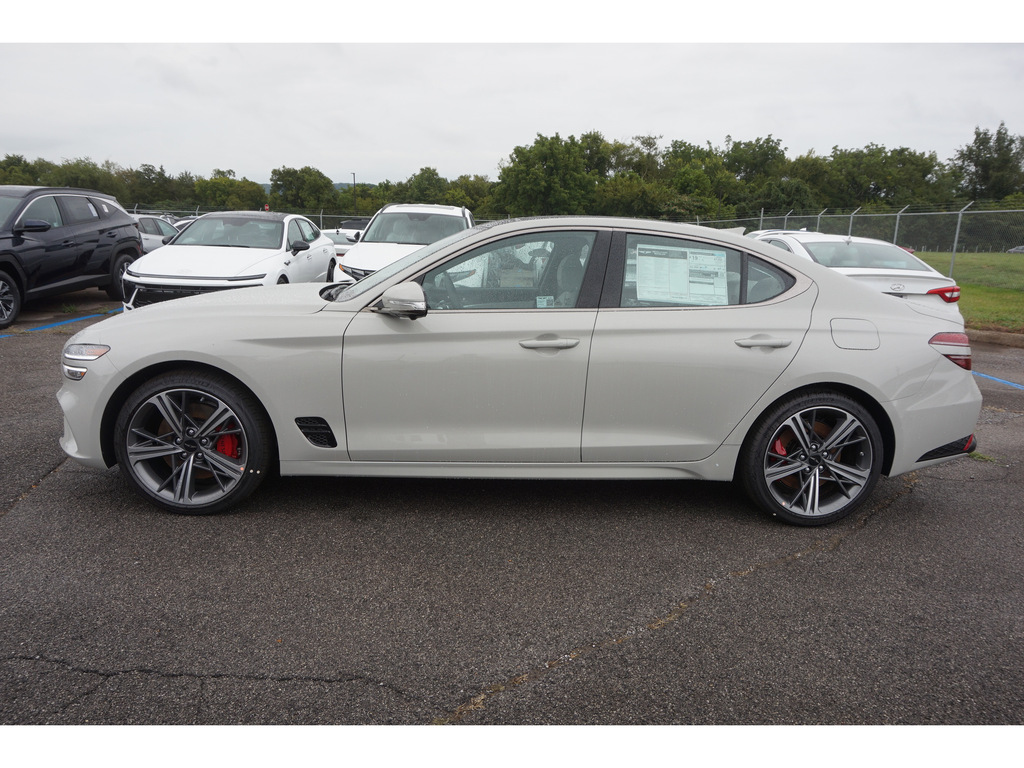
x: 549, y: 343
x: 754, y: 341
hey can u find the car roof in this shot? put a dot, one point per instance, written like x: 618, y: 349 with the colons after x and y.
x: 819, y: 237
x: 16, y: 190
x: 253, y: 215
x: 447, y: 210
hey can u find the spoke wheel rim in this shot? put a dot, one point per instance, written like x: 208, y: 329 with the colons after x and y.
x: 818, y: 461
x: 6, y: 300
x: 187, y: 447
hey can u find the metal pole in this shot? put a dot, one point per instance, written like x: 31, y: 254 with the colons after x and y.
x: 785, y: 219
x: 897, y: 230
x: 956, y: 236
x: 818, y: 225
x: 760, y: 223
x: 850, y: 232
x: 355, y: 192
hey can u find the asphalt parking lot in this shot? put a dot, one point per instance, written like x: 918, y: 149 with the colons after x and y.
x: 496, y: 602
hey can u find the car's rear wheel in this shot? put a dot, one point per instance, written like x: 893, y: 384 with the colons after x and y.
x: 116, y: 288
x: 330, y: 271
x: 192, y: 442
x: 812, y: 459
x: 10, y: 300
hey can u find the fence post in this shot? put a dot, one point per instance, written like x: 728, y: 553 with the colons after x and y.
x: 896, y: 232
x: 818, y: 225
x: 850, y: 232
x: 956, y: 236
x: 785, y: 219
x: 760, y: 222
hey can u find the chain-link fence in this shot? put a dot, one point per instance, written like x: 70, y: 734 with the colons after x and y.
x: 978, y: 247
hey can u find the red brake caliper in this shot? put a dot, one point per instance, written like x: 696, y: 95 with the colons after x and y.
x: 228, y: 445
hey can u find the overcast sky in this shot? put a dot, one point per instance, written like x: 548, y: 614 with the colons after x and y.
x: 383, y: 110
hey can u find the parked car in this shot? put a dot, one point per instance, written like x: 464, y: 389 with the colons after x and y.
x: 56, y: 240
x: 154, y: 229
x: 184, y: 221
x: 886, y: 267
x: 1018, y: 249
x: 697, y: 354
x: 396, y: 230
x: 238, y: 249
x: 344, y: 237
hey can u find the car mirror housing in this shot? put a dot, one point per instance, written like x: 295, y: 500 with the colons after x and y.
x: 299, y: 245
x: 404, y: 300
x: 33, y: 225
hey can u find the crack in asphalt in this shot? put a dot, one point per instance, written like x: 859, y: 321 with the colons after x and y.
x: 674, y: 613
x: 201, y: 678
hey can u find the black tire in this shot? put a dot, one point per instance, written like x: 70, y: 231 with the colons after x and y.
x: 812, y: 459
x: 116, y: 288
x: 193, y: 443
x: 282, y: 280
x: 330, y: 271
x: 10, y: 300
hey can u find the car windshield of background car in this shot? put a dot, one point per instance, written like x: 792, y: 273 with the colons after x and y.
x: 7, y: 206
x: 233, y: 232
x: 348, y: 291
x: 412, y: 228
x: 863, y: 256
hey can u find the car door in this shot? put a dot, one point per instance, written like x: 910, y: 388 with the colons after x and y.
x: 689, y: 336
x: 495, y: 372
x: 49, y: 258
x: 95, y: 239
x: 301, y: 264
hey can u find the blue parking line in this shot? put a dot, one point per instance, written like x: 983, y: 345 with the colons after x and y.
x: 1001, y: 381
x: 64, y: 322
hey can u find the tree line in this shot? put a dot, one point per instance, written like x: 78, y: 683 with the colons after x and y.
x: 644, y: 177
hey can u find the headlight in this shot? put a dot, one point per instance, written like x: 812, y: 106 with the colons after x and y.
x: 83, y: 353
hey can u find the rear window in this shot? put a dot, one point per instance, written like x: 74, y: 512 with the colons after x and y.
x: 863, y: 255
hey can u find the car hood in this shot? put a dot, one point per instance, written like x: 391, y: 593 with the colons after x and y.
x: 373, y: 256
x: 201, y: 261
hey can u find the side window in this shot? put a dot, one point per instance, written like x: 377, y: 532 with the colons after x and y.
x: 309, y: 232
x: 666, y: 272
x: 532, y: 271
x: 670, y: 272
x: 293, y: 231
x: 765, y: 281
x: 164, y: 228
x: 79, y: 209
x: 148, y: 226
x: 780, y: 244
x: 44, y: 209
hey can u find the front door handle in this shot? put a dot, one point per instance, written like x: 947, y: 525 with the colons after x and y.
x: 549, y: 343
x: 763, y: 341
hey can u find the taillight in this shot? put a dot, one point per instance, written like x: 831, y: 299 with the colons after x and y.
x: 949, y: 293
x: 955, y: 347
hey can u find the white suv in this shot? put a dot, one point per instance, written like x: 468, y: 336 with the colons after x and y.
x: 396, y: 230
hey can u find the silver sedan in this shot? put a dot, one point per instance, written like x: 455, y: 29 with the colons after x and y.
x: 539, y: 348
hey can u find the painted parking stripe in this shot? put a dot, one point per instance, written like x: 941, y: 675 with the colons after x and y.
x: 65, y: 322
x: 1001, y: 381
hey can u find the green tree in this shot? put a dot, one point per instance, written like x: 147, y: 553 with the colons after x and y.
x: 300, y: 189
x: 992, y: 166
x: 549, y: 177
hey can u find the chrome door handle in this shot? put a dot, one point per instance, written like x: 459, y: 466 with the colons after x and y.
x: 549, y: 343
x: 763, y: 342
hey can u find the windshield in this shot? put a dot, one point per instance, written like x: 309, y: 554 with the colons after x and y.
x: 233, y: 232
x: 7, y: 206
x: 863, y: 255
x: 351, y: 290
x: 412, y: 228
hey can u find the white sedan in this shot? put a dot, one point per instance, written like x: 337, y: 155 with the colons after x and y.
x: 883, y: 266
x: 591, y: 348
x: 230, y: 250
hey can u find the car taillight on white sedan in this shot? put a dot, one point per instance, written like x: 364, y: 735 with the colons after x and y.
x: 948, y: 293
x: 955, y: 347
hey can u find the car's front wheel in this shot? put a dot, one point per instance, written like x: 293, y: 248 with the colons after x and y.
x: 812, y: 459
x: 330, y: 271
x: 192, y: 442
x: 10, y: 300
x: 115, y: 290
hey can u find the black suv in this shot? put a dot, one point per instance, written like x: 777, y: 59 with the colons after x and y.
x: 56, y: 240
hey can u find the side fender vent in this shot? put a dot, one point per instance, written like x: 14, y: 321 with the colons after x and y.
x: 317, y: 431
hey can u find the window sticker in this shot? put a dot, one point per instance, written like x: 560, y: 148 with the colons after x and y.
x: 672, y: 275
x: 544, y: 302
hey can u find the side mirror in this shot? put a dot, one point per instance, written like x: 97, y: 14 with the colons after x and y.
x: 33, y: 225
x: 299, y: 245
x: 404, y: 300
x: 353, y: 238
x: 167, y: 238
